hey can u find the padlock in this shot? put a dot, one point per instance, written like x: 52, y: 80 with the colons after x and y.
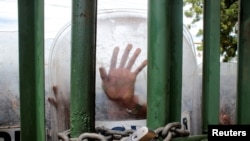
x: 143, y: 134
x: 186, y: 120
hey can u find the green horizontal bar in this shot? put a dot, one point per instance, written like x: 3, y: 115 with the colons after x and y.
x: 192, y: 138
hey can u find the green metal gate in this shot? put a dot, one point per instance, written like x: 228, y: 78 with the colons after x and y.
x: 165, y: 52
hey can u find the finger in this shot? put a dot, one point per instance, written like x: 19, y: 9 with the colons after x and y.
x: 114, y: 58
x: 103, y: 73
x: 55, y: 90
x: 143, y: 64
x: 133, y: 58
x: 125, y: 55
x: 52, y: 101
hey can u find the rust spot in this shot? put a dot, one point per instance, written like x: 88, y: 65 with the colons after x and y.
x: 82, y: 15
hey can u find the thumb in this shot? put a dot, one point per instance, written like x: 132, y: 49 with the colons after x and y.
x: 103, y: 73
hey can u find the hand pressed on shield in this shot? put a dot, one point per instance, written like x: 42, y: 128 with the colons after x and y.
x: 119, y: 83
x: 61, y: 104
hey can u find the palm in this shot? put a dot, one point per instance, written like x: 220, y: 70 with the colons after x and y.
x: 119, y: 84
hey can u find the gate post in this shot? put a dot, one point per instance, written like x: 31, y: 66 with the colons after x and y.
x: 244, y: 63
x: 211, y: 63
x: 164, y: 85
x: 83, y: 56
x: 31, y: 69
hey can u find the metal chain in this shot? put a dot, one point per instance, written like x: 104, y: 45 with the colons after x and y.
x: 64, y: 136
x: 171, y: 130
x: 86, y: 136
x: 168, y: 132
x: 113, y: 134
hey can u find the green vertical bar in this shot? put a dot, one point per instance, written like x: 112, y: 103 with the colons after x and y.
x: 158, y: 64
x: 244, y: 63
x: 83, y: 66
x: 176, y: 30
x: 31, y: 69
x: 211, y: 63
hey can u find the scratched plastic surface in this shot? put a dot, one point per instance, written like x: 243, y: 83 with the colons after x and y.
x: 118, y: 27
x: 9, y: 77
x: 9, y: 82
x: 114, y: 28
x: 228, y: 87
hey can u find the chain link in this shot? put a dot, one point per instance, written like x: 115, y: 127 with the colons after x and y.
x: 64, y: 136
x: 168, y: 132
x: 87, y: 136
x: 113, y: 134
x: 171, y: 130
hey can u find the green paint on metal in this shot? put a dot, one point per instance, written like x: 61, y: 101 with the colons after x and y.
x: 191, y: 138
x: 244, y: 64
x: 82, y: 110
x: 31, y: 69
x: 158, y: 64
x: 176, y: 30
x: 211, y: 63
x: 84, y: 118
x: 164, y: 62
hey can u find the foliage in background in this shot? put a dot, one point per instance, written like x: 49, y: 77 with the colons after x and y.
x: 229, y: 19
